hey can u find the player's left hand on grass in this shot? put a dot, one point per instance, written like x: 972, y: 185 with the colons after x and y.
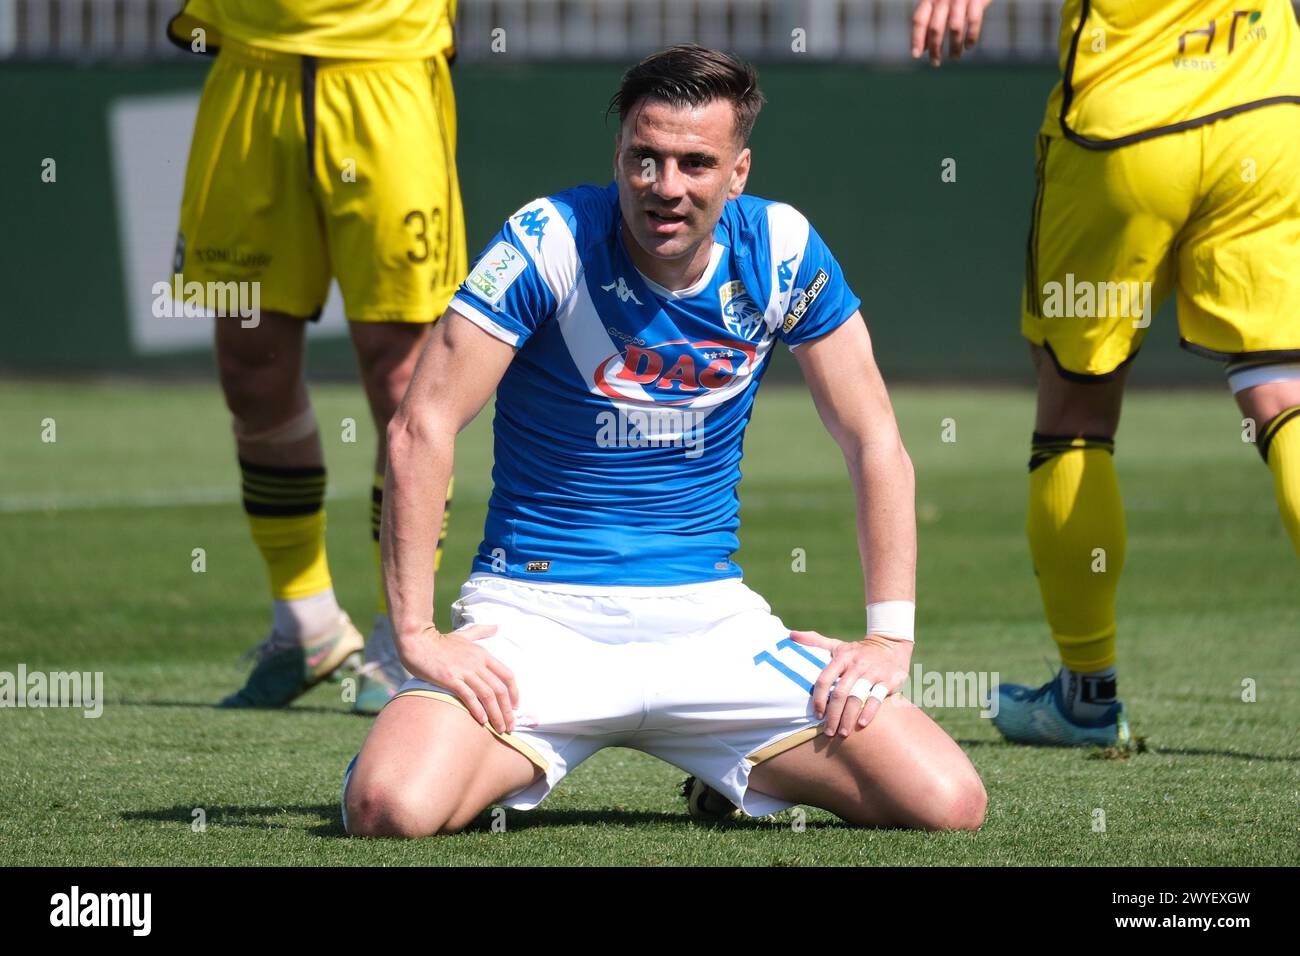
x: 851, y: 688
x: 958, y: 20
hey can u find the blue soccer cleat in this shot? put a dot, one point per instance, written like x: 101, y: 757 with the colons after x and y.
x: 1036, y: 716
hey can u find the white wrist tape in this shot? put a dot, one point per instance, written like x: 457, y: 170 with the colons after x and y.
x: 896, y: 619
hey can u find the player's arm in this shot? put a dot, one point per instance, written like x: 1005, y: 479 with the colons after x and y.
x: 958, y: 20
x: 457, y: 373
x: 850, y: 395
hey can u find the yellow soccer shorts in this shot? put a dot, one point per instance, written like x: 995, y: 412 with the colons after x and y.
x: 303, y: 168
x: 1212, y: 213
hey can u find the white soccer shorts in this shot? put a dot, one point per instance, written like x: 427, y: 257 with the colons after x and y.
x: 703, y: 676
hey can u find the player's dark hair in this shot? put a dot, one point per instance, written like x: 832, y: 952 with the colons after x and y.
x: 690, y: 75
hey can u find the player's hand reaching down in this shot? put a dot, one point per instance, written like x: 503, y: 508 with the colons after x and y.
x: 958, y: 20
x: 852, y: 687
x: 455, y: 661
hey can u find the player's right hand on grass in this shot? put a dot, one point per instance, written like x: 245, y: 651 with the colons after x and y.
x: 958, y: 20
x: 455, y: 661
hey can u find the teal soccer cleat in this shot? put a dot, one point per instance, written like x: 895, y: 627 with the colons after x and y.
x: 382, y: 673
x: 286, y: 669
x: 1036, y: 716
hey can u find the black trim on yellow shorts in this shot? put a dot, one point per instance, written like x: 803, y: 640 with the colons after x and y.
x: 1033, y: 296
x: 308, y: 100
x: 1085, y: 377
x: 310, y: 317
x: 1088, y: 142
x: 1263, y: 356
x: 180, y: 44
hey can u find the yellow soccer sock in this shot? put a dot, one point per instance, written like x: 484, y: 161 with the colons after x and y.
x: 285, y: 508
x: 1280, y: 446
x: 1077, y: 538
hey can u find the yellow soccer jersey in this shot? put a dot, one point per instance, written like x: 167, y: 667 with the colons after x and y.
x: 1133, y: 69
x: 351, y: 29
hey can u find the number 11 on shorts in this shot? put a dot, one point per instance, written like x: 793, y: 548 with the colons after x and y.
x: 789, y: 644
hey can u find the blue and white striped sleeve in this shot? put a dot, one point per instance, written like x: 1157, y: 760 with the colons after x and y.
x: 821, y: 300
x: 520, y: 279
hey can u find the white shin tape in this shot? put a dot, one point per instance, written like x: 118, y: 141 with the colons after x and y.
x: 291, y: 430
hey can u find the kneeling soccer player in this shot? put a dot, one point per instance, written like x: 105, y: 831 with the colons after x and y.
x: 625, y: 330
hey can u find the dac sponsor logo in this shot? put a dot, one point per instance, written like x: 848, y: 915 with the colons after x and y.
x: 673, y: 373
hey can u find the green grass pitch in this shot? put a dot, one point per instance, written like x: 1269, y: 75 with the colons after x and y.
x: 98, y: 529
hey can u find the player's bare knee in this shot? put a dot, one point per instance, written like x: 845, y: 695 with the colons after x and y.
x: 382, y: 809
x: 967, y: 808
x: 252, y: 390
x: 955, y: 803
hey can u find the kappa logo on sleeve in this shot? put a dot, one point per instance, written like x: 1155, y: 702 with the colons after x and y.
x: 805, y: 300
x: 500, y: 266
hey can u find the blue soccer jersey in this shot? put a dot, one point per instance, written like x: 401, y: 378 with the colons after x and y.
x: 620, y: 422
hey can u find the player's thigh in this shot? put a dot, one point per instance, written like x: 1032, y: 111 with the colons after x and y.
x: 428, y: 767
x: 1098, y: 260
x: 902, y: 769
x: 1239, y: 257
x: 389, y: 189
x: 248, y: 215
x: 1263, y: 403
x: 1077, y: 407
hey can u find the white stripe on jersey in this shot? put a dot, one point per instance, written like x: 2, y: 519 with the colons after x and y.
x: 556, y: 254
x: 788, y: 229
x: 589, y: 344
x: 471, y: 311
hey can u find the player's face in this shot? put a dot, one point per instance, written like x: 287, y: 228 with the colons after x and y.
x: 676, y: 168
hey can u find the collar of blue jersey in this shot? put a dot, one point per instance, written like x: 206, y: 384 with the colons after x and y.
x: 742, y: 238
